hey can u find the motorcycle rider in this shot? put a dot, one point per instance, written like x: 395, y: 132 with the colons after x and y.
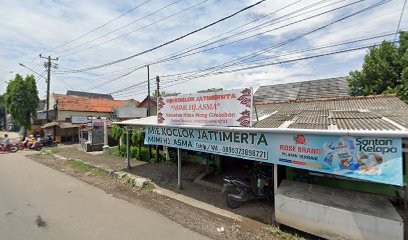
x: 6, y: 141
x: 31, y: 141
x: 49, y: 139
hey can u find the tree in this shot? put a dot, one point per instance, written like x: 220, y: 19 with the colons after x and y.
x: 138, y: 139
x: 22, y: 99
x: 117, y: 133
x: 385, y: 70
x: 2, y: 111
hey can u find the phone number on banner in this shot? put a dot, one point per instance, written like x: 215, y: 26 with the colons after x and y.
x: 245, y: 152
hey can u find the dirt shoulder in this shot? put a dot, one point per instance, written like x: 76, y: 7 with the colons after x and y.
x: 201, y: 221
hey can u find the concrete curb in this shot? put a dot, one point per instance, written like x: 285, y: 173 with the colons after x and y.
x: 140, y: 182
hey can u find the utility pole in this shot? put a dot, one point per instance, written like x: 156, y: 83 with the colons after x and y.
x: 157, y: 100
x: 148, y: 105
x: 148, y: 91
x: 48, y: 65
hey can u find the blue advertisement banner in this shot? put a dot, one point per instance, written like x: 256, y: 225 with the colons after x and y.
x: 366, y: 158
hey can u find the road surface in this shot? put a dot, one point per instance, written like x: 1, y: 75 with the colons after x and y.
x: 37, y: 202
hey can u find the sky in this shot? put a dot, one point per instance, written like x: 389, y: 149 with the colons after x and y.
x: 275, y: 34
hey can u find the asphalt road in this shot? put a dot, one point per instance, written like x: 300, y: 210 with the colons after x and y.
x: 37, y: 202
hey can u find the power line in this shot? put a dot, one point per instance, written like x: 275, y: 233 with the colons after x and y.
x: 400, y: 19
x: 268, y: 49
x: 101, y: 26
x: 251, y: 36
x: 356, y: 40
x: 133, y: 31
x: 155, y: 61
x: 169, y: 42
x: 117, y: 29
x: 301, y: 51
x: 273, y: 63
x: 172, y: 57
x: 263, y: 50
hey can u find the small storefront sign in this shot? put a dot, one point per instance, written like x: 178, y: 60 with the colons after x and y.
x: 365, y: 158
x: 79, y: 119
x: 224, y: 108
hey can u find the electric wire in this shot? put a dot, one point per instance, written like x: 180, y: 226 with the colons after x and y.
x: 268, y: 49
x: 171, y: 41
x: 124, y: 26
x: 133, y: 31
x: 400, y: 19
x: 137, y: 68
x: 101, y: 26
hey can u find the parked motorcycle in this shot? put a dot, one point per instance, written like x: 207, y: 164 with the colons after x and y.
x: 10, y: 148
x: 49, y: 143
x: 239, y: 190
x: 38, y: 146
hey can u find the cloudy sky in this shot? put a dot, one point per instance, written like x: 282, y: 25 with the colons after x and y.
x: 89, y: 33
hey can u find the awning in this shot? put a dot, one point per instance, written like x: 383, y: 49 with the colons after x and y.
x: 51, y: 124
x: 152, y: 122
x: 69, y: 125
x: 62, y: 125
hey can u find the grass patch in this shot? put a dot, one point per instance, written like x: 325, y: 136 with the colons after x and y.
x: 284, y: 235
x: 148, y: 187
x: 53, y: 150
x: 99, y: 172
x: 80, y: 166
x: 41, y: 155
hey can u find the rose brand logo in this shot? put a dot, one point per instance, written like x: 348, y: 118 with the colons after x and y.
x: 300, y: 139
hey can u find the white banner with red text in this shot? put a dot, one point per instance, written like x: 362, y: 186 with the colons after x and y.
x: 223, y: 108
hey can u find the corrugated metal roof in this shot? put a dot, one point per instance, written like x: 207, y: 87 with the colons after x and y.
x: 364, y: 124
x: 308, y: 126
x: 270, y: 123
x: 321, y: 88
x: 352, y: 113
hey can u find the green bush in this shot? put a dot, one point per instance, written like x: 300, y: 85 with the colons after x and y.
x: 134, y: 152
x: 120, y: 151
x: 143, y: 155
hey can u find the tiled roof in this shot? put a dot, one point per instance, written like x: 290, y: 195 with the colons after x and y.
x: 81, y: 104
x: 145, y: 102
x: 321, y: 88
x: 89, y: 94
x: 348, y: 113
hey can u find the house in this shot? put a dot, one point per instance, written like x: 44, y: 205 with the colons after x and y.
x: 89, y: 95
x: 313, y: 89
x: 153, y: 106
x: 129, y: 111
x: 330, y: 154
x: 70, y: 113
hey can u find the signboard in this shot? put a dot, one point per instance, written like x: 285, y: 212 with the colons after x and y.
x: 365, y: 158
x: 79, y: 119
x: 97, y: 122
x: 224, y: 108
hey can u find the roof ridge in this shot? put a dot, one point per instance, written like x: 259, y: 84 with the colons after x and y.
x: 327, y: 99
x: 318, y: 79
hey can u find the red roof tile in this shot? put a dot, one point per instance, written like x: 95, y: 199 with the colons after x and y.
x: 145, y: 102
x: 81, y: 104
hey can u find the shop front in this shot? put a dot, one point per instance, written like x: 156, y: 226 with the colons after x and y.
x: 355, y: 156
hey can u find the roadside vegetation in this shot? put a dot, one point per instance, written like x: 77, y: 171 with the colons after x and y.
x: 137, y: 148
x: 384, y: 71
x: 283, y: 234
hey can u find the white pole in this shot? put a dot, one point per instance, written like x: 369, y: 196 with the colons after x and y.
x: 128, y: 148
x: 179, y: 187
x: 105, y: 134
x: 275, y: 179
